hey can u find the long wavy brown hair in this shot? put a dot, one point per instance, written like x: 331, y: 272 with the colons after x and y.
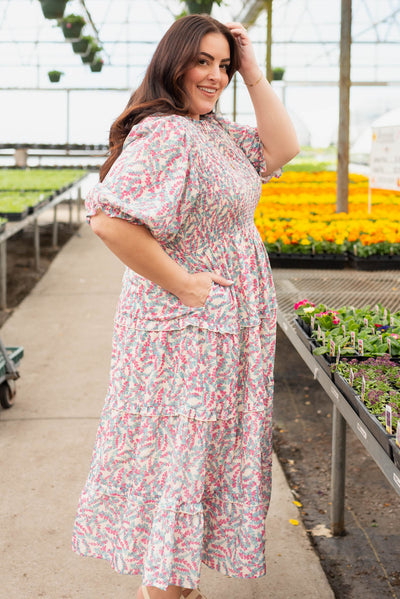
x: 162, y: 88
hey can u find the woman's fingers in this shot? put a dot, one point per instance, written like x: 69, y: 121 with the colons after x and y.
x: 220, y: 280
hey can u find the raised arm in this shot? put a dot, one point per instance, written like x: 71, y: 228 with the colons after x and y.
x: 274, y: 126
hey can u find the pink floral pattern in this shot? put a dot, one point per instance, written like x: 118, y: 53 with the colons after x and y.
x: 181, y: 470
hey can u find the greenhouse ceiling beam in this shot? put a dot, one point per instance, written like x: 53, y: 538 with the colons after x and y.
x: 250, y: 12
x: 285, y: 84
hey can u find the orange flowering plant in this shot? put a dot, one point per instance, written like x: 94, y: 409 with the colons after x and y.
x: 298, y: 215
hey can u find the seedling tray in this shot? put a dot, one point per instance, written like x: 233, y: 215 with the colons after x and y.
x: 396, y: 453
x: 15, y: 216
x: 301, y: 333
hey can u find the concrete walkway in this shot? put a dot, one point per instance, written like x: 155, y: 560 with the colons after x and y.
x: 46, y: 441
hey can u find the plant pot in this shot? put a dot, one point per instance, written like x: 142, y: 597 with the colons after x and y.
x: 72, y: 30
x: 80, y: 47
x: 89, y: 57
x: 302, y: 333
x: 96, y: 67
x: 54, y: 77
x: 330, y: 261
x: 53, y: 9
x: 202, y: 6
x: 395, y: 452
x: 277, y: 74
x: 324, y: 360
x: 376, y: 262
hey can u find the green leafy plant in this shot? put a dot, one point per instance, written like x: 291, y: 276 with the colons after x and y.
x: 55, y: 76
x: 278, y: 73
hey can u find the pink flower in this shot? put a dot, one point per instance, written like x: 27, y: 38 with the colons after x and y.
x: 303, y: 303
x: 69, y: 25
x: 395, y: 335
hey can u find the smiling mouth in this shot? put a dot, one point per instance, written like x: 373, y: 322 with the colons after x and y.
x: 208, y: 91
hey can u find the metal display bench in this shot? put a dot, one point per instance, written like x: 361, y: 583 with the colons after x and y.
x: 337, y: 288
x: 14, y: 227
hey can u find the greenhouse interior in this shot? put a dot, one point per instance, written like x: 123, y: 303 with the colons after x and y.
x: 329, y: 225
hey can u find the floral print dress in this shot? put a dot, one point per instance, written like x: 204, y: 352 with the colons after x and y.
x: 181, y: 469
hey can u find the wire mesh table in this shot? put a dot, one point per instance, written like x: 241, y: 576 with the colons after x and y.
x: 335, y: 289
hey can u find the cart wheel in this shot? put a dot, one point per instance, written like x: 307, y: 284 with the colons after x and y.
x: 6, y: 396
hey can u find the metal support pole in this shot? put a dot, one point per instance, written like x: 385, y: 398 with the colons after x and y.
x: 338, y: 475
x: 342, y: 191
x: 3, y: 275
x: 268, y: 60
x: 79, y: 206
x: 70, y: 211
x: 55, y: 228
x: 36, y: 240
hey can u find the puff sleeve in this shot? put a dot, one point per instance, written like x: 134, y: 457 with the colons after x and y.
x: 251, y: 145
x: 152, y: 182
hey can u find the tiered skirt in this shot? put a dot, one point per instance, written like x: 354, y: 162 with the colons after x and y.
x: 181, y: 469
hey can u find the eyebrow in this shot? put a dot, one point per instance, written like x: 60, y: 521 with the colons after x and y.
x: 213, y: 58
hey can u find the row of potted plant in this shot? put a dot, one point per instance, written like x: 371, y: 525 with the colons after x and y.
x: 372, y: 388
x: 299, y: 225
x: 350, y: 331
x: 38, y: 179
x: 359, y: 348
x: 24, y: 191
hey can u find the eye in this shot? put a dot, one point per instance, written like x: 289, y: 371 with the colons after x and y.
x: 225, y: 66
x: 203, y: 61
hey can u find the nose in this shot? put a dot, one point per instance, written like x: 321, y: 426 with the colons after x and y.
x: 214, y: 73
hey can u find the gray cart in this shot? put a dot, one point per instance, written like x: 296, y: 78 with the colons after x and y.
x: 10, y: 358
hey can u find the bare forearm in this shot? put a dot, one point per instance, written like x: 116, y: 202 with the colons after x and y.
x: 135, y: 246
x: 273, y: 124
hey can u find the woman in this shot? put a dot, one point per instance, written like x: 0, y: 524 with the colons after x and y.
x: 181, y: 467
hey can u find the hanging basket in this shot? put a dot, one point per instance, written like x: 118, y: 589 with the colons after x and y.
x: 55, y: 76
x: 199, y: 6
x: 72, y: 30
x: 53, y: 9
x: 96, y: 66
x: 278, y: 73
x: 82, y: 46
x: 89, y: 57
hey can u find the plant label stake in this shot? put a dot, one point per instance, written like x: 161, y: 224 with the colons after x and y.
x: 366, y: 323
x: 376, y: 308
x: 389, y: 346
x: 392, y: 321
x: 332, y: 348
x: 319, y: 332
x: 351, y: 377
x: 380, y: 338
x: 338, y: 355
x: 344, y: 329
x: 323, y: 337
x: 363, y: 389
x: 388, y: 418
x: 312, y: 322
x: 385, y: 314
x: 353, y: 338
x: 398, y: 435
x: 361, y: 347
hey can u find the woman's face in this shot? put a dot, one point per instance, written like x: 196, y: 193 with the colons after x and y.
x: 208, y: 77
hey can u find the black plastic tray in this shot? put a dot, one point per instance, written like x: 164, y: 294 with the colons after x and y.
x: 335, y: 261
